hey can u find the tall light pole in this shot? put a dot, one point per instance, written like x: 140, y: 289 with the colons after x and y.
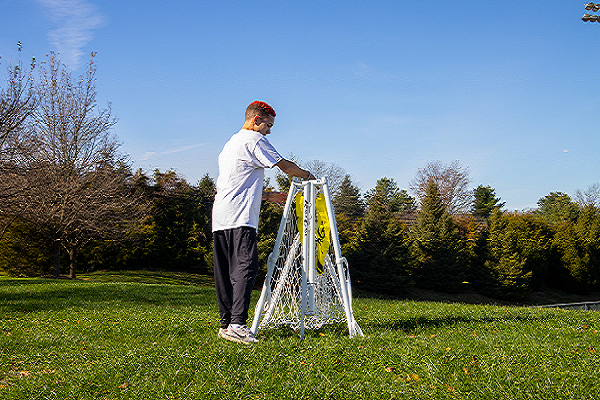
x: 591, y: 17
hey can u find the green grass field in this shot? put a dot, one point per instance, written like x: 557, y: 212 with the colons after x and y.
x: 118, y: 337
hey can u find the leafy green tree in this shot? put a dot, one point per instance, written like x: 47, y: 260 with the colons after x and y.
x: 485, y: 201
x: 437, y: 247
x: 24, y: 251
x: 556, y: 208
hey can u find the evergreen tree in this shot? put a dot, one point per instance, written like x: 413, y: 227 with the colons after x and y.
x: 506, y: 266
x: 437, y: 247
x: 176, y: 235
x: 387, y: 194
x: 485, y: 201
x: 517, y: 255
x: 578, y: 248
x: 349, y: 211
x: 556, y: 208
x: 181, y: 217
x: 404, y: 202
x: 348, y: 201
x: 24, y: 251
x: 379, y: 254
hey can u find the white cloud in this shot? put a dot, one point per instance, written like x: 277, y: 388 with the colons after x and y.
x: 152, y: 154
x: 76, y: 21
x: 147, y: 156
x: 362, y: 68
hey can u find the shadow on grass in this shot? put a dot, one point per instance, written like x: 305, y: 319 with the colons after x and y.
x: 468, y: 296
x: 411, y: 324
x: 408, y: 325
x: 330, y: 331
x: 151, y: 277
x: 38, y: 295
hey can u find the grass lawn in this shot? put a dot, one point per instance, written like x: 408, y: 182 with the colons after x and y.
x: 123, y: 338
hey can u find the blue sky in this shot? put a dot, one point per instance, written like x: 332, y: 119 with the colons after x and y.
x: 378, y: 88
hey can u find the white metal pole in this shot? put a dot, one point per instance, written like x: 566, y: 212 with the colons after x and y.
x: 311, y: 249
x: 339, y: 261
x: 273, y: 259
x: 305, y: 253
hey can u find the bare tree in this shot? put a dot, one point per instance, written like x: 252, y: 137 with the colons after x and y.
x: 335, y: 174
x: 79, y: 186
x: 17, y: 103
x: 588, y: 197
x: 452, y: 181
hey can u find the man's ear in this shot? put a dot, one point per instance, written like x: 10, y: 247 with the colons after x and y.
x: 256, y: 119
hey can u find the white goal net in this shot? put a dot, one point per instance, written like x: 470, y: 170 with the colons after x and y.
x: 308, y: 281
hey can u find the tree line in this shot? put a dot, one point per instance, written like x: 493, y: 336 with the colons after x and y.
x: 500, y: 253
x: 71, y: 202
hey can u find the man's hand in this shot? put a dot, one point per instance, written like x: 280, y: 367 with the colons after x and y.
x: 275, y: 197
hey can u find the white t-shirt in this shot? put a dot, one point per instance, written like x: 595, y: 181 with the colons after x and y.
x: 240, y: 183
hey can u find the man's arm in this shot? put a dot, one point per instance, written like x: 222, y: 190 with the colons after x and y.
x: 290, y: 168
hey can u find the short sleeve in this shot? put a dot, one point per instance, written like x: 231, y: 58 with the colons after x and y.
x: 265, y: 154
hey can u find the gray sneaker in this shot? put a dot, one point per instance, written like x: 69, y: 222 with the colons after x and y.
x: 238, y: 335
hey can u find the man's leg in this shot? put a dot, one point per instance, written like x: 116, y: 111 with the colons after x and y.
x: 222, y: 280
x: 243, y: 270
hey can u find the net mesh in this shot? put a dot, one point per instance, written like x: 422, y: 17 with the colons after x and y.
x: 284, y: 302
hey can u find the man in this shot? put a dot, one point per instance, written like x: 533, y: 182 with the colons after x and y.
x: 235, y: 216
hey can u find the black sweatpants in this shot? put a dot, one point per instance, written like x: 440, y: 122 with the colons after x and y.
x: 236, y: 265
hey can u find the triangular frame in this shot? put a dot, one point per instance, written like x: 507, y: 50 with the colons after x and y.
x: 307, y: 245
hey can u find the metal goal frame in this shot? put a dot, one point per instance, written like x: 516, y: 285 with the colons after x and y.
x: 313, y: 285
